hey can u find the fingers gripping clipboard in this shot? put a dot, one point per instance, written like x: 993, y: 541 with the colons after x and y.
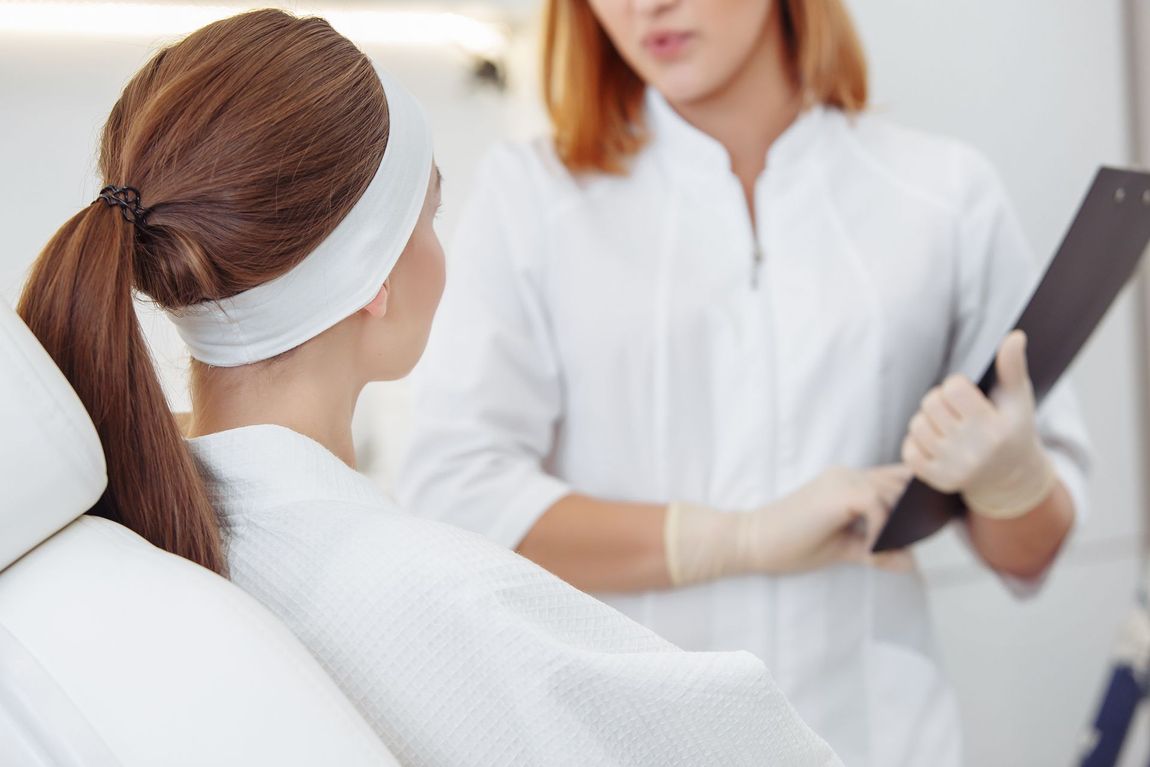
x: 1096, y: 258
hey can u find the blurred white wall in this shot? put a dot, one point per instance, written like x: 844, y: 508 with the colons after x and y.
x: 1040, y: 86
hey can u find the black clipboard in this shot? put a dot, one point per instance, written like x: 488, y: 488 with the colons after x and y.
x: 1100, y: 252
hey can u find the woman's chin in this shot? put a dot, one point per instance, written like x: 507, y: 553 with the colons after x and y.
x: 394, y: 369
x: 684, y: 88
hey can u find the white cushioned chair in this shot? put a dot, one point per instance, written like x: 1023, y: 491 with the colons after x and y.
x: 113, y: 652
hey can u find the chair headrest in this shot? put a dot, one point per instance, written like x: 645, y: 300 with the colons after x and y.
x: 51, y: 463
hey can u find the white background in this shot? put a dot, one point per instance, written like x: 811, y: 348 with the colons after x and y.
x: 1040, y: 86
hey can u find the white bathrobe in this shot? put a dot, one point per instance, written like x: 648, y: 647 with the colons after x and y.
x: 460, y: 652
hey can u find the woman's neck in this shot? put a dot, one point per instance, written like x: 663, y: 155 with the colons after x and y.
x: 304, y: 392
x: 753, y: 109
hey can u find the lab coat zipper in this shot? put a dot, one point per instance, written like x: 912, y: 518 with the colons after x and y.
x: 753, y: 227
x: 756, y: 261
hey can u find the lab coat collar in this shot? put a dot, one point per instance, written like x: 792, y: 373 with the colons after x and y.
x: 255, y: 468
x: 684, y: 148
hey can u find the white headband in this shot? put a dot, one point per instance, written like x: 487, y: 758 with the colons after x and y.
x: 342, y: 275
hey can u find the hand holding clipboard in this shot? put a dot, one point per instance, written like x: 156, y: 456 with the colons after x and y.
x: 1096, y: 258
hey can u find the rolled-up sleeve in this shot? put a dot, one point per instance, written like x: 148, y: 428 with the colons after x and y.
x: 997, y: 272
x: 487, y: 395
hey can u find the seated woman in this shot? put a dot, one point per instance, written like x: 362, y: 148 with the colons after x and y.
x: 276, y: 196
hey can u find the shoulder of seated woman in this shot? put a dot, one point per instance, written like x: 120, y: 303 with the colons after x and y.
x: 375, y: 539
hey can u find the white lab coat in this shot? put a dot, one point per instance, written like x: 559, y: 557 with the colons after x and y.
x: 459, y: 652
x: 605, y: 335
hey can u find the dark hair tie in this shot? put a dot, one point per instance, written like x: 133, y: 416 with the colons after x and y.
x: 128, y: 200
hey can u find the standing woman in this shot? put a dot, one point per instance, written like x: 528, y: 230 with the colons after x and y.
x: 685, y: 337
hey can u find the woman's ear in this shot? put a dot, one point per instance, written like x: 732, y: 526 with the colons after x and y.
x: 378, y: 306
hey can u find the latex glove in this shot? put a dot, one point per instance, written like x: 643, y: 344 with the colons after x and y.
x: 835, y: 518
x: 987, y: 449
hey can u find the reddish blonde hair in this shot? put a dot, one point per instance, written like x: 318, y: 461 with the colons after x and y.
x: 595, y: 99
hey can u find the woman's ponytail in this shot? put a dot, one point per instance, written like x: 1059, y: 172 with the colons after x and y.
x: 79, y: 303
x: 249, y: 141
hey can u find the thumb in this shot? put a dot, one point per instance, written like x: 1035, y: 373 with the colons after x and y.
x: 1013, y: 373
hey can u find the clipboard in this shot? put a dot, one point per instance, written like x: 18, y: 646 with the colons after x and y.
x: 1096, y: 259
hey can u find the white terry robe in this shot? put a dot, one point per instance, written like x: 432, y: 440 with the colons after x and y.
x: 460, y: 652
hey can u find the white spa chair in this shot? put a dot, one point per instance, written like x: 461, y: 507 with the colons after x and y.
x: 113, y: 652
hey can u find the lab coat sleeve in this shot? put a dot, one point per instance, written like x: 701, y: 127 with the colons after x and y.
x: 487, y: 395
x: 995, y: 274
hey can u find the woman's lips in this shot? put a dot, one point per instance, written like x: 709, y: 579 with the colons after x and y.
x: 667, y: 45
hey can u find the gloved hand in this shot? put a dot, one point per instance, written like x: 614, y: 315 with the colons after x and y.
x: 834, y: 518
x: 987, y: 449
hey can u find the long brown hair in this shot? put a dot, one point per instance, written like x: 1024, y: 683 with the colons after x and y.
x: 249, y: 141
x: 595, y: 99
